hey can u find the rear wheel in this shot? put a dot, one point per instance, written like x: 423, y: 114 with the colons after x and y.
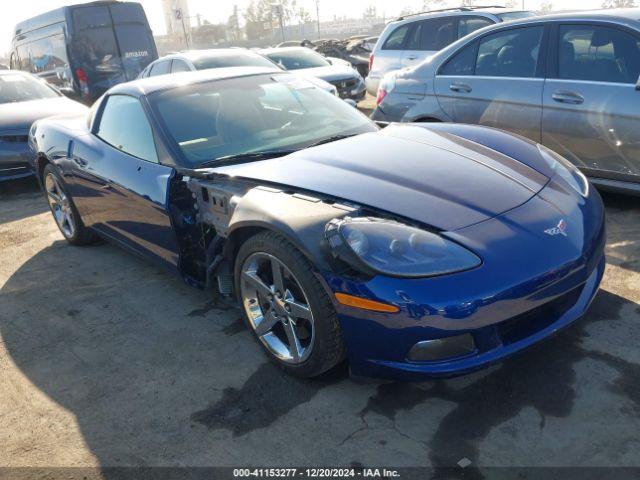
x: 63, y: 210
x: 286, y: 307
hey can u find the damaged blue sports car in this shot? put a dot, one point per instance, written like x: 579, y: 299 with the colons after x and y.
x: 413, y: 251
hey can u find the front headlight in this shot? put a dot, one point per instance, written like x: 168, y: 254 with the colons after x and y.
x: 566, y: 170
x: 376, y: 245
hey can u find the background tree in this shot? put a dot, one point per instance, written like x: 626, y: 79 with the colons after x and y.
x: 370, y: 12
x: 546, y: 7
x: 618, y: 3
x: 432, y: 4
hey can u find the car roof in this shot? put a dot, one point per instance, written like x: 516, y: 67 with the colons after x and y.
x: 146, y: 86
x: 454, y: 12
x: 14, y: 72
x: 267, y: 51
x: 194, y: 55
x: 628, y: 15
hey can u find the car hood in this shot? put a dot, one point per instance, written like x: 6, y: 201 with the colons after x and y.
x: 20, y: 115
x: 432, y: 177
x: 329, y: 73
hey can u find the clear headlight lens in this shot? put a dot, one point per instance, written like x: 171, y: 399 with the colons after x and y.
x: 566, y: 170
x: 391, y: 248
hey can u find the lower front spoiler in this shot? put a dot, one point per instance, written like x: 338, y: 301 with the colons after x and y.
x: 410, y: 371
x: 15, y: 173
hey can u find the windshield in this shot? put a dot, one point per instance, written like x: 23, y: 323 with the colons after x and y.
x: 21, y: 88
x: 260, y: 113
x: 298, y: 59
x: 508, y: 16
x: 237, y: 59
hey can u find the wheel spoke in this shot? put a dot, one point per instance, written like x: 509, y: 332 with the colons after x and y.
x: 69, y: 220
x: 252, y: 279
x: 294, y: 344
x: 266, y: 324
x: 54, y: 197
x: 299, y: 310
x: 276, y: 269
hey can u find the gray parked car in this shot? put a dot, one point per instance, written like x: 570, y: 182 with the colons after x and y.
x: 304, y: 61
x: 568, y: 81
x: 25, y: 98
x: 410, y: 39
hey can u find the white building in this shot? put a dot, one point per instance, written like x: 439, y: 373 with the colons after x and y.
x: 175, y: 12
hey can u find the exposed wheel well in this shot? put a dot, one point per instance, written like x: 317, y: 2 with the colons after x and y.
x: 41, y: 163
x: 237, y: 238
x: 428, y: 120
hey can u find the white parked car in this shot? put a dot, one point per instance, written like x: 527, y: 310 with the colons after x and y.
x: 408, y: 40
x: 193, y: 60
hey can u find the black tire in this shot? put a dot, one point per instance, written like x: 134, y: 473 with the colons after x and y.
x: 328, y: 348
x: 80, y: 235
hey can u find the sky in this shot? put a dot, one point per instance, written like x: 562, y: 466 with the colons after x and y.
x: 217, y: 11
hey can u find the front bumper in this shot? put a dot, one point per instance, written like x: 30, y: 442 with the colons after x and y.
x: 352, y: 89
x: 529, y: 286
x: 14, y: 160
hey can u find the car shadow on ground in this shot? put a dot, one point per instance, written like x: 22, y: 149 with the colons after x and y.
x: 157, y: 373
x: 623, y: 230
x: 27, y: 199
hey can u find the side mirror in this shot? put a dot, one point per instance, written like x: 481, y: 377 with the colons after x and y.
x: 351, y: 102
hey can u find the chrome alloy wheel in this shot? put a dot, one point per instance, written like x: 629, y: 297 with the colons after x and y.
x: 277, y: 308
x: 60, y: 206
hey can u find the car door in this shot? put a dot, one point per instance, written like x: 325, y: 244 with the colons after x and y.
x: 390, y: 55
x: 590, y: 104
x: 427, y: 37
x: 121, y: 189
x: 496, y: 80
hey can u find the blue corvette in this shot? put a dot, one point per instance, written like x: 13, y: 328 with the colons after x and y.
x: 413, y: 251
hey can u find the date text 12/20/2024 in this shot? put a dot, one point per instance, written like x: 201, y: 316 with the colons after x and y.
x: 315, y: 473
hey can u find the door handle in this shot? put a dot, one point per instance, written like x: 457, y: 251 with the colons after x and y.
x: 412, y: 57
x: 81, y: 162
x: 106, y: 186
x: 460, y: 87
x: 568, y: 97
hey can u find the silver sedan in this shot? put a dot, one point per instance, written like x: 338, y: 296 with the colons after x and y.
x: 568, y: 81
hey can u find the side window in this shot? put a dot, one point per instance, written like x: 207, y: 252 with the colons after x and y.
x: 510, y: 53
x: 124, y: 125
x: 467, y: 25
x: 437, y: 33
x: 160, y: 68
x: 49, y: 54
x: 395, y: 41
x: 179, y: 66
x: 461, y: 63
x: 598, y: 54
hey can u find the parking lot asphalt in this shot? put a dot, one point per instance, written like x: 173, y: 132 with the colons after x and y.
x: 107, y: 360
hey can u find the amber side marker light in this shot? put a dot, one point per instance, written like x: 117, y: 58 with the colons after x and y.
x: 351, y: 301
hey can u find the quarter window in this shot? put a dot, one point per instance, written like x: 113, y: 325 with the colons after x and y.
x: 598, y: 54
x: 179, y: 66
x: 467, y: 25
x: 509, y: 53
x: 160, y: 68
x: 124, y: 126
x: 396, y: 39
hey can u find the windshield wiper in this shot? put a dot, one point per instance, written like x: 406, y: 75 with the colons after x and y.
x: 332, y: 138
x: 246, y: 157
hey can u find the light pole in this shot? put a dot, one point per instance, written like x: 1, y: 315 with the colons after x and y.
x: 279, y: 10
x: 318, y: 16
